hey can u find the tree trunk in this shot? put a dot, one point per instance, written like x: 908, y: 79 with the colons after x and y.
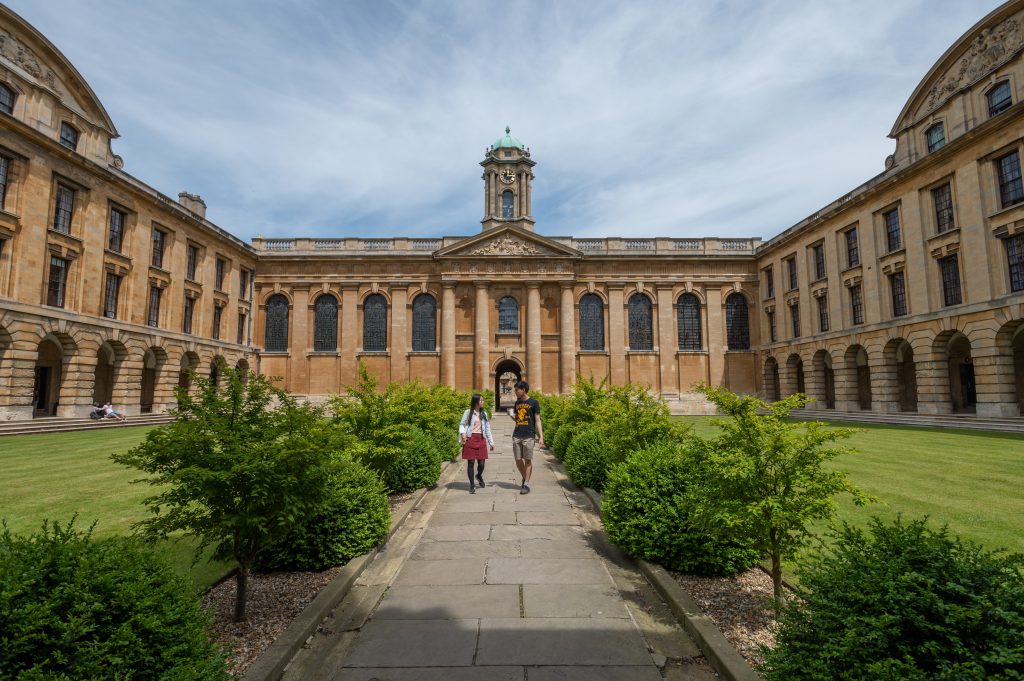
x: 241, y: 592
x: 777, y: 580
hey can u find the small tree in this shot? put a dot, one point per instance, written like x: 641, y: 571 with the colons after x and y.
x: 765, y: 476
x: 239, y: 467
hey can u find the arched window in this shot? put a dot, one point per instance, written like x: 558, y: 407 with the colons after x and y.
x: 375, y: 323
x: 936, y: 137
x: 641, y: 334
x: 325, y: 324
x: 276, y: 319
x: 688, y: 320
x: 591, y: 322
x: 6, y: 99
x: 999, y: 98
x: 69, y: 136
x: 508, y: 315
x: 737, y: 324
x: 424, y: 323
x: 507, y: 201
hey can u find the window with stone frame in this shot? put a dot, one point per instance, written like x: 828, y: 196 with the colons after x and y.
x: 191, y: 261
x: 852, y: 247
x: 325, y: 323
x: 219, y: 268
x: 689, y: 322
x: 999, y: 98
x: 591, y: 322
x: 936, y: 137
x: 63, y: 209
x: 769, y: 282
x: 69, y: 136
x: 893, y: 235
x: 218, y: 314
x: 56, y: 286
x: 153, y: 313
x: 507, y: 204
x: 275, y: 328
x: 508, y: 315
x: 424, y: 323
x: 794, y: 316
x: 115, y: 232
x: 159, y: 243
x: 375, y: 323
x: 7, y: 99
x: 1015, y: 259
x: 243, y: 284
x: 5, y: 169
x: 1011, y: 189
x: 823, y: 324
x: 641, y: 322
x: 793, y: 280
x: 773, y: 332
x: 949, y: 267
x: 111, y: 292
x: 818, y: 253
x: 856, y: 304
x: 189, y: 311
x: 737, y: 322
x: 942, y: 198
x: 241, y: 328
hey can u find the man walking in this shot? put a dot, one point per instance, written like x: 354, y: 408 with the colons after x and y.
x: 526, y: 413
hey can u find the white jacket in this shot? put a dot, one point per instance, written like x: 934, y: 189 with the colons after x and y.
x: 485, y: 426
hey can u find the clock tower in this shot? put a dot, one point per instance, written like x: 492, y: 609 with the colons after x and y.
x: 507, y: 177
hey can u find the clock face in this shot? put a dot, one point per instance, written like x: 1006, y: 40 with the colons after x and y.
x: 508, y: 176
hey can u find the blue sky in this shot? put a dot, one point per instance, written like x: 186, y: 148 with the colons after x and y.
x: 676, y: 118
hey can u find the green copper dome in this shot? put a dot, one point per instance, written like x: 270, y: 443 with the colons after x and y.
x: 507, y: 142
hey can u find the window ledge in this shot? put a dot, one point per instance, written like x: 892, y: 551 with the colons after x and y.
x: 593, y: 352
x: 691, y: 352
x: 276, y: 353
x: 643, y: 352
x: 323, y: 353
x: 423, y: 353
x: 945, y: 235
x: 373, y: 353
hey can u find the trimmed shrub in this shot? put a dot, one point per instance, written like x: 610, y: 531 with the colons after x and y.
x: 356, y: 518
x: 901, y: 601
x: 630, y: 416
x: 564, y: 437
x: 646, y: 512
x: 586, y: 459
x: 418, y: 465
x: 73, y: 607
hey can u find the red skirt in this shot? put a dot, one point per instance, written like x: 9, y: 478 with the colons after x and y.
x: 475, y: 447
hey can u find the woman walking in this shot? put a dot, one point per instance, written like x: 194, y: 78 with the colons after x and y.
x: 475, y: 436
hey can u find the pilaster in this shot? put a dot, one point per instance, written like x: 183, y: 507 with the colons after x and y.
x: 482, y: 340
x: 448, y: 334
x: 533, y: 355
x: 616, y: 336
x: 567, y: 331
x: 668, y: 342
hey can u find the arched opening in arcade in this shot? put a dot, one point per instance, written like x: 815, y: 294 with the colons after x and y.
x: 857, y: 359
x: 826, y: 378
x: 242, y: 367
x: 506, y: 374
x: 1017, y: 346
x: 901, y: 356
x: 49, y: 372
x: 772, y: 388
x: 108, y: 364
x: 962, y: 391
x: 152, y: 361
x: 215, y: 370
x: 189, y: 364
x: 795, y: 368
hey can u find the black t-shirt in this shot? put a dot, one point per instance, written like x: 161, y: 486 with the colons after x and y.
x: 525, y: 412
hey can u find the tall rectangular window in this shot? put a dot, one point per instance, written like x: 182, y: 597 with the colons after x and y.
x: 159, y: 241
x: 243, y: 284
x: 823, y: 314
x: 63, y: 209
x: 186, y: 319
x: 819, y: 261
x: 769, y: 282
x: 220, y: 266
x: 1011, y: 191
x: 942, y: 197
x: 893, y: 238
x: 898, y: 285
x: 852, y: 248
x: 191, y: 260
x: 791, y: 273
x: 115, y: 237
x: 241, y: 328
x: 110, y: 295
x: 794, y: 315
x: 950, y: 269
x: 772, y: 330
x: 5, y: 167
x: 857, y: 304
x: 218, y: 312
x: 1015, y: 257
x: 153, y: 314
x: 57, y: 282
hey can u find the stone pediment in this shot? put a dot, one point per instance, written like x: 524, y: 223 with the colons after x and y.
x: 508, y: 242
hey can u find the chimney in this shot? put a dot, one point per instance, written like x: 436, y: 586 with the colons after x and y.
x: 193, y: 202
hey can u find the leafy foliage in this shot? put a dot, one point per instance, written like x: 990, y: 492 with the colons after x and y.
x: 902, y: 601
x: 72, y: 607
x: 586, y: 459
x: 355, y: 518
x: 416, y: 466
x: 563, y: 439
x: 647, y: 512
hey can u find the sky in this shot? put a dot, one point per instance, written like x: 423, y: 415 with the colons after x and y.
x: 345, y: 118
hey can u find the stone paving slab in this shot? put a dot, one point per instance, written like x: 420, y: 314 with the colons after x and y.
x: 434, y: 674
x: 636, y: 673
x: 449, y: 602
x: 415, y: 643
x: 546, y: 571
x: 550, y: 641
x: 520, y: 532
x: 565, y: 600
x: 457, y: 533
x: 554, y: 548
x: 474, y: 518
x: 454, y: 550
x: 546, y: 518
x: 442, y: 572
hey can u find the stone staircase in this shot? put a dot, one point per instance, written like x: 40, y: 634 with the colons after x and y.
x: 52, y: 424
x: 965, y: 421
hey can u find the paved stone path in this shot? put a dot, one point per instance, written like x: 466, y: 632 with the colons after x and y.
x: 501, y: 586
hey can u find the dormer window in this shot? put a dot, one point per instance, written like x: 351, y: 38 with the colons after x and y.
x: 68, y: 136
x: 936, y: 136
x: 999, y: 99
x: 6, y: 99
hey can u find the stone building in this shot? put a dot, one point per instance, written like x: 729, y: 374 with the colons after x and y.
x: 907, y: 294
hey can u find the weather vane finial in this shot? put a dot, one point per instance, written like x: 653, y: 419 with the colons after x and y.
x: 507, y: 130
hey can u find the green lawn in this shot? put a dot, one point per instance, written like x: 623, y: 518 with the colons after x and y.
x: 972, y: 481
x: 55, y: 475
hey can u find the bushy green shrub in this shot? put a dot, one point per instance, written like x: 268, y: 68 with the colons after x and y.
x: 902, y: 601
x: 629, y: 416
x: 418, y: 465
x: 355, y: 518
x: 564, y: 438
x: 586, y: 459
x: 646, y: 512
x: 73, y: 607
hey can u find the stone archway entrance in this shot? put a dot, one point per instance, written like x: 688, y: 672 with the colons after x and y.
x: 150, y: 361
x: 505, y: 376
x: 962, y: 389
x: 906, y: 376
x: 48, y: 378
x: 825, y: 377
x: 772, y: 387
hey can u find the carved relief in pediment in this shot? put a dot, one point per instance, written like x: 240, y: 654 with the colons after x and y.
x: 506, y: 245
x: 19, y: 54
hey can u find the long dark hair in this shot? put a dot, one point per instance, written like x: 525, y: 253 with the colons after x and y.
x: 478, y: 399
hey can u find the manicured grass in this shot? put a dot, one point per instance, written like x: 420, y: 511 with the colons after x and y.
x: 53, y: 476
x: 969, y: 480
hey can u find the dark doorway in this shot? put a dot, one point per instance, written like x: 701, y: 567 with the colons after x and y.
x: 906, y: 377
x: 506, y: 374
x: 968, y: 392
x: 41, y: 392
x: 962, y: 390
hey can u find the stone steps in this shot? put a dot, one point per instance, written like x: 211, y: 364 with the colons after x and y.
x: 61, y: 425
x: 965, y: 421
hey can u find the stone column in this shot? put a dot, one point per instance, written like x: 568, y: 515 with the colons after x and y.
x: 716, y: 337
x: 483, y: 334
x: 933, y: 384
x: 298, y: 341
x: 448, y: 334
x: 399, y: 342
x: 995, y: 383
x: 78, y: 376
x: 350, y: 334
x: 567, y: 329
x: 21, y: 364
x: 885, y: 389
x: 616, y: 336
x: 668, y: 343
x: 127, y: 389
x: 534, y: 368
x: 847, y: 395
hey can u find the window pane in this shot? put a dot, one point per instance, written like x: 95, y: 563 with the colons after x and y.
x: 5, y: 165
x: 154, y: 306
x: 325, y: 324
x: 852, y: 248
x: 158, y: 248
x: 769, y: 282
x: 999, y: 99
x: 791, y: 268
x: 424, y: 323
x: 772, y: 330
x: 1015, y: 256
x: 186, y: 323
x: 220, y: 265
x: 116, y: 230
x: 110, y: 296
x: 950, y: 269
x: 823, y: 314
x: 375, y: 323
x: 893, y: 238
x: 857, y: 304
x: 68, y: 136
x: 641, y: 335
x: 1011, y: 191
x: 276, y: 328
x: 794, y: 315
x: 57, y: 282
x: 819, y: 261
x: 943, y: 199
x: 899, y: 294
x: 241, y: 328
x: 591, y: 322
x: 508, y: 315
x: 63, y: 209
x: 191, y: 259
x: 688, y: 321
x: 507, y: 200
x: 936, y: 137
x: 218, y: 312
x: 6, y: 99
x: 737, y: 323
